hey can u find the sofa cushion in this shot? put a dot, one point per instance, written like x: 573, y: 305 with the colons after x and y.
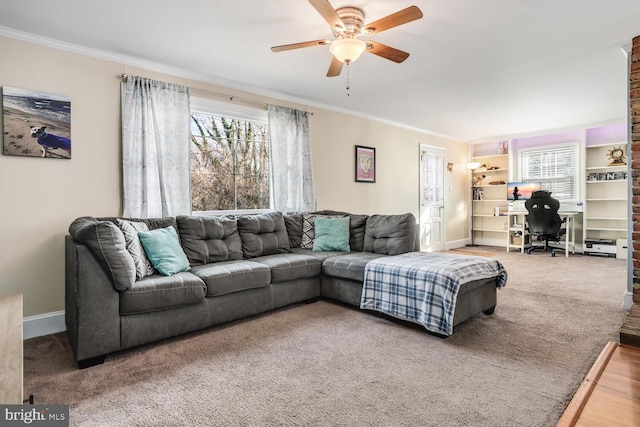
x: 106, y: 242
x: 226, y: 277
x: 293, y: 223
x: 162, y: 246
x: 130, y: 230
x: 263, y: 234
x: 308, y: 228
x: 390, y: 234
x: 285, y: 267
x: 348, y: 266
x: 157, y: 292
x: 209, y: 239
x: 357, y: 225
x: 319, y: 255
x: 332, y: 234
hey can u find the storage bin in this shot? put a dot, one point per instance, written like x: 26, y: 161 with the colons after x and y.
x: 517, y: 240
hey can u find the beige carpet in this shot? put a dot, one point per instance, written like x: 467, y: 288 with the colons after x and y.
x: 323, y: 364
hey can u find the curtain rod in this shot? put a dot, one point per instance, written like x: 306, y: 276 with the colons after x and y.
x: 227, y: 96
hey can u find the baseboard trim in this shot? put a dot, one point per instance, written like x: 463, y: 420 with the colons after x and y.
x: 43, y: 324
x: 628, y: 300
x: 454, y: 244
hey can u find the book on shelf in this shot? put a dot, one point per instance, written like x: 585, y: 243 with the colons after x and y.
x: 478, y: 194
x: 500, y: 211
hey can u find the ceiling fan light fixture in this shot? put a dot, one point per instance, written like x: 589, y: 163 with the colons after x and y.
x: 347, y: 49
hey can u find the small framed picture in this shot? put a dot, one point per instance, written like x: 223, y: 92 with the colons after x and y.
x: 365, y: 164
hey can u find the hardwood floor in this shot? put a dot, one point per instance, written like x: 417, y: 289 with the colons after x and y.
x: 610, y: 394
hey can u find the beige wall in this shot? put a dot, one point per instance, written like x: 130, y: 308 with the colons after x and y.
x: 41, y: 197
x: 334, y: 136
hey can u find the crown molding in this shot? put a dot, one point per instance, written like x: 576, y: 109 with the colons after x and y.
x: 538, y: 132
x: 131, y: 61
x: 199, y: 77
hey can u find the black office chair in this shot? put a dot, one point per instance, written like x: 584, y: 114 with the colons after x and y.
x: 543, y: 220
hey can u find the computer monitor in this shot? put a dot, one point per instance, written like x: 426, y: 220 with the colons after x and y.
x: 521, y: 190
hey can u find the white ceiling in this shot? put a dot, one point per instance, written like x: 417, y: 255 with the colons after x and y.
x: 478, y: 69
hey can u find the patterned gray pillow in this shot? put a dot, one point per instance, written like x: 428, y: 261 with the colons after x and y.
x: 308, y: 229
x: 130, y: 229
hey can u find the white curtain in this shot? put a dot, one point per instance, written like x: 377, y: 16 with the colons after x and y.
x: 155, y: 148
x: 290, y: 159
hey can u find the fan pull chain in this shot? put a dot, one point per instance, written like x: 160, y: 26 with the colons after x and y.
x: 348, y: 88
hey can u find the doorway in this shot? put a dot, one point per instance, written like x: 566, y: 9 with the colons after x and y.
x: 431, y: 198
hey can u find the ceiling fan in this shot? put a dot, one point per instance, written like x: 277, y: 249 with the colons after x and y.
x: 347, y: 24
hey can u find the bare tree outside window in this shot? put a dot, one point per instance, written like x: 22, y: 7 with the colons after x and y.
x: 229, y: 163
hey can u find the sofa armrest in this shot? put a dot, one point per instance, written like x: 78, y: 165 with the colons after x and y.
x: 92, y: 313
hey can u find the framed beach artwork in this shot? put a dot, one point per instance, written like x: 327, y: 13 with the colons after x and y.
x: 36, y: 124
x: 365, y: 164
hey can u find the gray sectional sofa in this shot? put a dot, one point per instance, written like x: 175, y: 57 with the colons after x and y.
x: 237, y: 267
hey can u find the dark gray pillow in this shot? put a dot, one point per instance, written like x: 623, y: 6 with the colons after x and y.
x: 263, y: 234
x: 206, y: 240
x: 106, y: 242
x: 390, y: 234
x: 293, y: 223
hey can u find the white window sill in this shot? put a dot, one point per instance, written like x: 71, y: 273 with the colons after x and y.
x: 231, y: 212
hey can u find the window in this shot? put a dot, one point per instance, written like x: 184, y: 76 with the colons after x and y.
x: 555, y: 167
x: 229, y: 157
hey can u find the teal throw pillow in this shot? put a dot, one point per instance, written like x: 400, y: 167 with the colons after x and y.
x: 163, y: 249
x: 332, y: 234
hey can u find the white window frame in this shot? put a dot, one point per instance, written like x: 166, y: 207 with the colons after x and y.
x: 577, y: 172
x: 235, y: 111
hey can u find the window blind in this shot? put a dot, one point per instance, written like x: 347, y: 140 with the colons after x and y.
x: 554, y: 167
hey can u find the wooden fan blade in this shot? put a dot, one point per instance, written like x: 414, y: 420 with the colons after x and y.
x: 335, y: 68
x: 299, y: 45
x: 386, y: 52
x: 327, y: 11
x: 401, y: 17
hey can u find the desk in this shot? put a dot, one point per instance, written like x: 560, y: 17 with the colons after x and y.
x: 520, y: 218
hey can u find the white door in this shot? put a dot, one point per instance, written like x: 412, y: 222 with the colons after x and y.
x: 431, y: 198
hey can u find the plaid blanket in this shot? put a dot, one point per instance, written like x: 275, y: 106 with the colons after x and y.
x: 423, y: 287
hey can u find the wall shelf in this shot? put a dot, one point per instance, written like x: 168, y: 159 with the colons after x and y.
x: 605, y: 209
x: 605, y: 229
x: 621, y: 167
x: 488, y: 228
x: 610, y: 218
x: 492, y: 157
x: 606, y: 145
